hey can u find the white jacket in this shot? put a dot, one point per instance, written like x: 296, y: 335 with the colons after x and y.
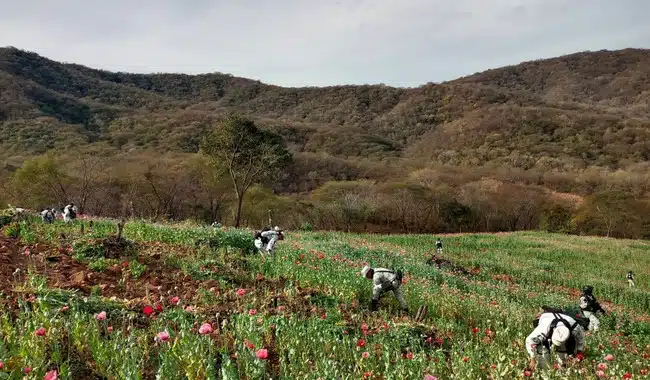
x: 272, y: 237
x: 385, y: 280
x: 543, y: 329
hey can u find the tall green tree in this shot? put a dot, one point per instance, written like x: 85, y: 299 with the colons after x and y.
x: 248, y: 154
x: 40, y: 182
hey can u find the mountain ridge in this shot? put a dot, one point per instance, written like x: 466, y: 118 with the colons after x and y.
x: 539, y: 103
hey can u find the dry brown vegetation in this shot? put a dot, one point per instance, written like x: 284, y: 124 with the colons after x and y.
x: 487, y: 152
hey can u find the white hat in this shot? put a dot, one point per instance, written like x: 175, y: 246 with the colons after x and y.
x: 277, y: 228
x: 365, y: 270
x: 560, y: 335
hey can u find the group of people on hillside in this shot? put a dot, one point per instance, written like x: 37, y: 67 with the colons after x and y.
x: 48, y: 215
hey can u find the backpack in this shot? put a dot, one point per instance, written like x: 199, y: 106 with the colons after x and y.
x: 570, y: 344
x: 592, y: 304
x: 573, y: 312
x: 71, y: 213
x: 264, y: 239
x: 399, y: 274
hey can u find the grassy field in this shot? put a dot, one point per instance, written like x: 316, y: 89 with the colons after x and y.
x: 188, y: 302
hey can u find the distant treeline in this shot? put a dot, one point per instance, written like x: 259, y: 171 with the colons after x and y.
x: 322, y: 192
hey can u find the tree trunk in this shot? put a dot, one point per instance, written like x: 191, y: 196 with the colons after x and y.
x: 82, y: 206
x: 240, y: 201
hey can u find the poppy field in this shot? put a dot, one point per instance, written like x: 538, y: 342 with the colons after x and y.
x: 193, y: 302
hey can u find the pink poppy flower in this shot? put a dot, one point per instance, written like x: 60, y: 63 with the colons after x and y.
x: 262, y: 354
x: 2, y: 365
x: 252, y: 312
x: 101, y: 316
x: 27, y: 370
x: 41, y: 331
x: 600, y: 374
x: 174, y: 300
x: 52, y: 375
x: 409, y: 356
x: 528, y: 373
x: 205, y: 329
x: 609, y: 357
x: 241, y: 292
x: 65, y: 308
x: 109, y: 329
x: 163, y: 336
x: 365, y: 355
x: 281, y: 307
x: 602, y: 366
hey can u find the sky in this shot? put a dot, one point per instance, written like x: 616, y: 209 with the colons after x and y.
x: 402, y: 43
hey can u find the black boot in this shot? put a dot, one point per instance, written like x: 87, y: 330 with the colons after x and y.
x: 374, y: 305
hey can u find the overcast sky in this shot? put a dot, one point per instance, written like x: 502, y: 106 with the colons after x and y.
x: 320, y: 42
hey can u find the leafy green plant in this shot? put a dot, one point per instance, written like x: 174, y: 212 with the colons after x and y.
x: 98, y: 265
x: 88, y: 249
x: 136, y: 269
x: 12, y: 230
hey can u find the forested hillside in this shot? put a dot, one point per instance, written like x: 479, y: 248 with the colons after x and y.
x: 436, y: 157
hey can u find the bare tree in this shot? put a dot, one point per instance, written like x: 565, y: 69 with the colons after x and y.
x: 89, y: 168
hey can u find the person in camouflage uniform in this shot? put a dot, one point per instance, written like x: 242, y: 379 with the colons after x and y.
x: 383, y: 281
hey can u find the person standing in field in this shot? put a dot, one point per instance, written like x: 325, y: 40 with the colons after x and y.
x: 590, y: 306
x: 630, y: 279
x: 383, y: 281
x: 266, y: 239
x: 439, y: 246
x: 69, y: 213
x: 554, y: 331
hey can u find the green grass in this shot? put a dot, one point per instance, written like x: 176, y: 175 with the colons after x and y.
x: 481, y: 320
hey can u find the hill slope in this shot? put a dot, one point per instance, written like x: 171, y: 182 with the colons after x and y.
x: 564, y: 114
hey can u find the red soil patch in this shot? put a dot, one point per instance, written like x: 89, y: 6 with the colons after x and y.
x: 158, y: 284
